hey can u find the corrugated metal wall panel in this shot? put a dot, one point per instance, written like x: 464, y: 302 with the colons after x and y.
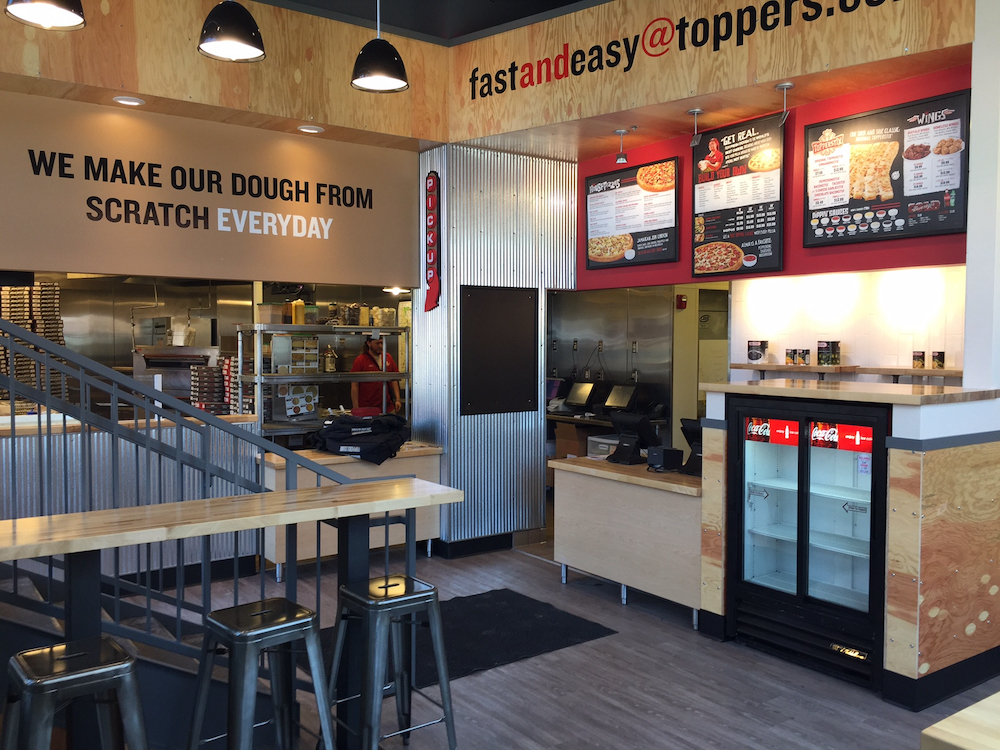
x: 508, y: 221
x: 138, y: 478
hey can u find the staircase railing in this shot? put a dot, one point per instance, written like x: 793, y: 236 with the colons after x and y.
x: 83, y: 437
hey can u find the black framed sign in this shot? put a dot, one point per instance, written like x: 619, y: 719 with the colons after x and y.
x: 632, y: 216
x: 737, y: 198
x: 895, y: 172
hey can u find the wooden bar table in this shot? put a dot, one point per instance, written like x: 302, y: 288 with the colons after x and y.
x: 82, y: 536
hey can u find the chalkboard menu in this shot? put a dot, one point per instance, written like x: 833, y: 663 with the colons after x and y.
x: 895, y: 172
x: 737, y: 198
x: 632, y: 216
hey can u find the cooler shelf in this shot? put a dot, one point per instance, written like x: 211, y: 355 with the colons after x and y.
x: 844, y: 545
x: 824, y: 490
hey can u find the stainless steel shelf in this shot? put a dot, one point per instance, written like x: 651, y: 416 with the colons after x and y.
x: 329, y: 330
x: 326, y: 377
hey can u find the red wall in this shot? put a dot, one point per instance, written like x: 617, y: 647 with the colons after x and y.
x: 946, y: 249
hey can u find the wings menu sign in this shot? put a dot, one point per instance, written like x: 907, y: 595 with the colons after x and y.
x: 896, y: 172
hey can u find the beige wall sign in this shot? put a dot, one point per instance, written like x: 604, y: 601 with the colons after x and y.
x: 96, y: 189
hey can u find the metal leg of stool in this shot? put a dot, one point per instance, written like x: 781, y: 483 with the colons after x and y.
x: 11, y: 718
x: 106, y: 720
x: 279, y: 662
x: 133, y: 722
x: 243, y: 660
x: 201, y: 694
x: 402, y: 677
x: 338, y: 651
x: 315, y: 651
x: 37, y: 713
x: 377, y: 651
x: 437, y: 638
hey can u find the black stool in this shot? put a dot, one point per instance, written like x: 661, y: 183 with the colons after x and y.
x: 380, y: 604
x: 43, y: 678
x: 246, y: 630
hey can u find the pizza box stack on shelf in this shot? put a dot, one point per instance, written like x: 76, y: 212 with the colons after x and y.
x: 208, y: 389
x: 35, y: 308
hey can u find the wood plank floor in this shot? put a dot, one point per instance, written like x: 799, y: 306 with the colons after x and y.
x: 656, y: 684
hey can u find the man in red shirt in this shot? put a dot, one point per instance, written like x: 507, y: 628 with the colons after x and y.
x: 369, y: 395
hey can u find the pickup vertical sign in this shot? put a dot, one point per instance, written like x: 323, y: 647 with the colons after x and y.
x: 432, y: 206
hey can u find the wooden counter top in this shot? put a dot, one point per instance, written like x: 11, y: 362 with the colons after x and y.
x: 876, y: 393
x: 770, y: 367
x: 669, y: 481
x: 103, y: 529
x: 974, y: 728
x: 27, y: 424
x: 921, y: 372
x: 410, y: 449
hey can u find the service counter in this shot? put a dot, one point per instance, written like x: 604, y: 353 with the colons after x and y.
x: 638, y: 528
x: 414, y: 458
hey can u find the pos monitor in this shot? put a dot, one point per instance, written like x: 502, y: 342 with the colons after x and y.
x: 579, y: 395
x: 691, y: 430
x: 635, y: 432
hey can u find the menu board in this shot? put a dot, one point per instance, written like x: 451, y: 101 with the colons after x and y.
x: 895, y: 172
x: 632, y: 216
x: 737, y: 198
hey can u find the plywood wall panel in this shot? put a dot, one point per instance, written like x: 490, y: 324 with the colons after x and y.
x: 903, y: 562
x: 713, y: 521
x: 109, y: 57
x: 829, y: 43
x: 960, y: 555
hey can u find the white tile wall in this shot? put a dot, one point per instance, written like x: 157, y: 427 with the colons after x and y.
x: 878, y: 317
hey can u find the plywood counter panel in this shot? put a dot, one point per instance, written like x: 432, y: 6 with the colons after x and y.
x: 640, y: 534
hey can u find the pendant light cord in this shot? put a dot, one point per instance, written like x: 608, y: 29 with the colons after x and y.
x: 378, y: 19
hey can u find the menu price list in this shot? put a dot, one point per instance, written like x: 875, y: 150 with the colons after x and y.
x: 632, y: 216
x: 897, y: 172
x: 737, y: 199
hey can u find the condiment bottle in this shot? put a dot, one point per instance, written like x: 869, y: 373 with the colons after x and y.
x: 298, y: 312
x: 329, y: 359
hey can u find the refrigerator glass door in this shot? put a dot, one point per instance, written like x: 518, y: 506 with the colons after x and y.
x: 770, y: 502
x: 840, y: 513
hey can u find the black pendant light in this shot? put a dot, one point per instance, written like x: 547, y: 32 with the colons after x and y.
x: 60, y: 15
x: 231, y: 34
x: 379, y: 68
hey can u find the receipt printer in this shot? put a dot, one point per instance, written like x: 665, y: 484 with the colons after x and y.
x: 664, y: 459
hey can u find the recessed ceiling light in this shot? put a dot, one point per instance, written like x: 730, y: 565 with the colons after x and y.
x: 129, y: 101
x: 311, y: 129
x: 395, y: 290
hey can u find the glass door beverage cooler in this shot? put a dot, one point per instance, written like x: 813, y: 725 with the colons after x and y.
x: 806, y: 532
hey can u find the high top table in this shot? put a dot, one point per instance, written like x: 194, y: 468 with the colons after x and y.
x: 82, y: 536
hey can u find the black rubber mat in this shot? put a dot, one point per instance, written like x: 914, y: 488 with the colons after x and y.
x: 499, y: 627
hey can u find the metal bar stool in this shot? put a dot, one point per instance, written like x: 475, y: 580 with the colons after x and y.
x: 246, y: 630
x: 380, y: 604
x: 41, y: 679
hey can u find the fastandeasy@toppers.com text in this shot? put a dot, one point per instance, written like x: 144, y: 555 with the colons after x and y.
x: 659, y: 37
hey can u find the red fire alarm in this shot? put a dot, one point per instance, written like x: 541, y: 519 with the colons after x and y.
x: 682, y: 301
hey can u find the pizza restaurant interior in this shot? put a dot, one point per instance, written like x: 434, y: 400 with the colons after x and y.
x: 704, y: 286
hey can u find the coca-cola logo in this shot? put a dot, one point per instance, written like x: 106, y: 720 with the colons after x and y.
x: 824, y: 435
x: 759, y: 430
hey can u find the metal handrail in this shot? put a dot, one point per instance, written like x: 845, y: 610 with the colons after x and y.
x: 173, y: 452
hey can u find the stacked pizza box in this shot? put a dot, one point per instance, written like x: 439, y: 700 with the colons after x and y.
x: 35, y: 308
x: 208, y: 389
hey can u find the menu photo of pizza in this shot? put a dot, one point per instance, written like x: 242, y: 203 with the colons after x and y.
x: 632, y: 216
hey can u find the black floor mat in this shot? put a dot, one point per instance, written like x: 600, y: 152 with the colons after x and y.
x: 488, y: 630
x: 499, y: 627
